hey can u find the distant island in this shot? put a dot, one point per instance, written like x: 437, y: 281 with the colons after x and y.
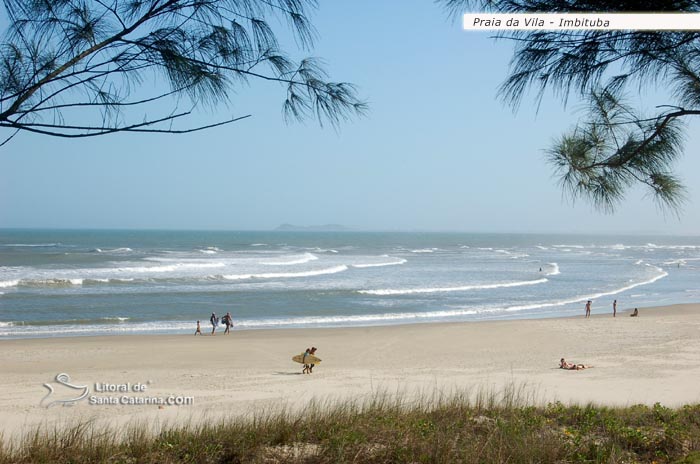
x: 323, y: 228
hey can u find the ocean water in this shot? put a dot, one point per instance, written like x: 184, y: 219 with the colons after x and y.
x: 66, y: 283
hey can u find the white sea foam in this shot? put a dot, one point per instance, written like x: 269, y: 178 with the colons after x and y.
x: 409, y: 291
x: 554, y: 269
x: 6, y: 324
x: 541, y: 247
x: 49, y: 282
x: 569, y: 246
x: 44, y: 245
x: 356, y: 319
x: 169, y: 268
x: 276, y: 275
x: 518, y: 255
x: 305, y: 258
x: 301, y: 321
x: 114, y: 250
x: 9, y: 283
x: 258, y: 244
x: 661, y: 274
x: 322, y: 250
x: 388, y: 263
x: 425, y: 250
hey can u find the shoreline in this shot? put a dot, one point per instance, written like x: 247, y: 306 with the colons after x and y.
x: 206, y: 328
x: 649, y: 359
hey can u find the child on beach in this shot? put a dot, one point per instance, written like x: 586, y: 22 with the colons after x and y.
x: 199, y: 329
x: 635, y: 313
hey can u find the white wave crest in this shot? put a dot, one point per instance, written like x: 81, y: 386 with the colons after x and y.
x: 359, y: 319
x: 170, y: 267
x: 409, y: 291
x: 50, y: 282
x: 276, y: 275
x: 661, y: 275
x: 114, y: 250
x: 9, y: 283
x: 388, y: 263
x: 20, y: 245
x: 212, y: 250
x: 554, y: 270
x: 425, y: 250
x: 305, y: 258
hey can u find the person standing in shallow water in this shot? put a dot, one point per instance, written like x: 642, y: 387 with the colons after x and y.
x: 588, y: 308
x: 614, y: 308
x: 214, y: 322
x: 228, y: 322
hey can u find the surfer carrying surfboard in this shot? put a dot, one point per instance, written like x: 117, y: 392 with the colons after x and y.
x: 305, y: 370
x: 312, y: 352
x: 308, y: 359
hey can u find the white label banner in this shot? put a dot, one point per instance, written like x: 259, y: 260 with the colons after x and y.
x: 582, y: 21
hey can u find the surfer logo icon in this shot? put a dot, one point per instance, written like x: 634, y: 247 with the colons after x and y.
x: 66, y: 389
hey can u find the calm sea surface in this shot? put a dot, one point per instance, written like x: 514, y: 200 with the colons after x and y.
x: 60, y: 283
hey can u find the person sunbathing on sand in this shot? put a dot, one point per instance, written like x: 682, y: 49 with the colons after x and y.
x: 571, y: 366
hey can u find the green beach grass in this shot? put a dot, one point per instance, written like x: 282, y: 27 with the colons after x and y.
x: 487, y: 428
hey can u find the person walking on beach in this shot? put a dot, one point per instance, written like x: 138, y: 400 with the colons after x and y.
x: 305, y: 370
x: 199, y: 329
x: 228, y: 323
x: 588, y: 308
x: 614, y: 308
x: 313, y: 353
x: 214, y: 322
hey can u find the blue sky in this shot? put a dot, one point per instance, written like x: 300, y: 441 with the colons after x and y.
x: 437, y: 150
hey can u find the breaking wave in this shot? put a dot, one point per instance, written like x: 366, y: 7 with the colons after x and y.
x: 409, y: 291
x: 661, y: 274
x: 305, y: 258
x: 388, y: 263
x: 282, y: 275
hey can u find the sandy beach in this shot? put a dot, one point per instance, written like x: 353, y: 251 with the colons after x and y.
x: 652, y: 358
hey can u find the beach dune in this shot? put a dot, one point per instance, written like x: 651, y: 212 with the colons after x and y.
x: 649, y: 359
